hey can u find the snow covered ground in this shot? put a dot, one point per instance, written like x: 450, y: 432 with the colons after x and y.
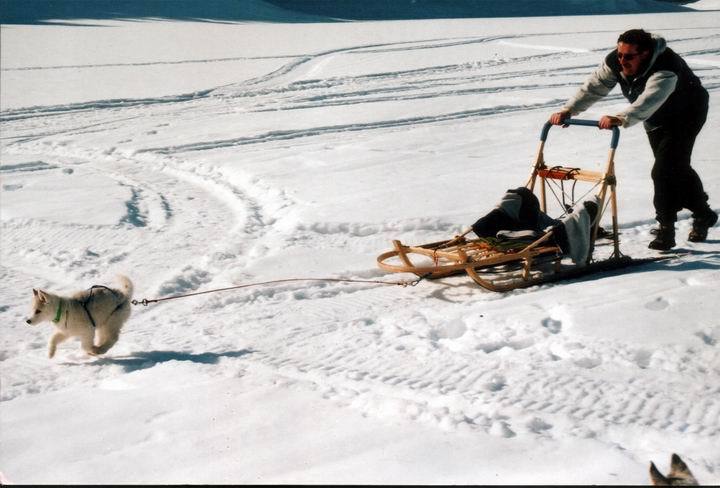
x: 198, y: 155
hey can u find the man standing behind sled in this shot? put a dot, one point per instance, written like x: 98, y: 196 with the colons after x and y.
x: 666, y: 95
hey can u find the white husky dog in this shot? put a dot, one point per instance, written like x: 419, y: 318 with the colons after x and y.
x: 98, y: 312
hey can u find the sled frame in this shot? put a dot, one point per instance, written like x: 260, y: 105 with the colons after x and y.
x: 527, y: 264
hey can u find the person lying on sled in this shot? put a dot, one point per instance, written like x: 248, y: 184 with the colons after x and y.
x: 518, y: 215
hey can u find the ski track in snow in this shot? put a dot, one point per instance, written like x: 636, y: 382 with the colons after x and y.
x: 474, y: 370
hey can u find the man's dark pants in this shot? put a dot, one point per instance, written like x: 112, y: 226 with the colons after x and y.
x: 677, y: 185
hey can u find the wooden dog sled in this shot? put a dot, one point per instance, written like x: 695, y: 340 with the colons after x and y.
x: 506, y: 265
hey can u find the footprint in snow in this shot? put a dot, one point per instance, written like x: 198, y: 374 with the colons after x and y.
x: 538, y: 425
x: 501, y: 429
x: 706, y: 338
x: 658, y: 304
x: 642, y: 358
x: 553, y: 326
x: 452, y: 330
x: 588, y: 362
x: 496, y: 383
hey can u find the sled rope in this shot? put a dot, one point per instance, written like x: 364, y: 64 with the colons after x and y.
x: 145, y: 301
x: 569, y: 176
x: 563, y: 194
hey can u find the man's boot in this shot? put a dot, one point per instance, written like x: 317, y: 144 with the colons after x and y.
x: 664, y: 238
x: 701, y: 224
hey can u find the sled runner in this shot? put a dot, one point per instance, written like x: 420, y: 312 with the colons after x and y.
x: 518, y: 244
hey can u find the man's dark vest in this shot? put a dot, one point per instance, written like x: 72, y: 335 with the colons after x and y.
x: 686, y: 103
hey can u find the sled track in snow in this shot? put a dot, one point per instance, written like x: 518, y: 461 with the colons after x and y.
x: 415, y: 368
x: 270, y: 93
x: 150, y: 63
x: 150, y: 227
x: 317, y: 131
x: 76, y: 108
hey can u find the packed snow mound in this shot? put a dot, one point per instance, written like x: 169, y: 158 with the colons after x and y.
x: 22, y: 12
x: 705, y: 5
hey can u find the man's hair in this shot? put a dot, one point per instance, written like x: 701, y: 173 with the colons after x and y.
x: 643, y: 40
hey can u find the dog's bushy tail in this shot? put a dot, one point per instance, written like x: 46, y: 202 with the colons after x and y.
x: 126, y: 286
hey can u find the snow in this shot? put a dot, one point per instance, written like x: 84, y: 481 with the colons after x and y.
x: 195, y: 155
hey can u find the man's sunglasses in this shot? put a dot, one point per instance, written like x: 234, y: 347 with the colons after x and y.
x: 627, y: 57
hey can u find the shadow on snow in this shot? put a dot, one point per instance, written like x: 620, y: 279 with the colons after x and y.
x: 145, y: 360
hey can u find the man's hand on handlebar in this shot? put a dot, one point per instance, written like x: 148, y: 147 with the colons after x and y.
x: 608, y: 122
x: 559, y: 118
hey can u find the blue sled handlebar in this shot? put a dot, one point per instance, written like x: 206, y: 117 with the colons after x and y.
x: 589, y: 123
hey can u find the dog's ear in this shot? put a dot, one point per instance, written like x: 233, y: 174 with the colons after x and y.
x: 679, y: 470
x: 656, y: 476
x: 41, y: 296
x: 35, y: 292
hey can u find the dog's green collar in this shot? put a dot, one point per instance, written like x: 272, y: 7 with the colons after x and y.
x: 58, y: 313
